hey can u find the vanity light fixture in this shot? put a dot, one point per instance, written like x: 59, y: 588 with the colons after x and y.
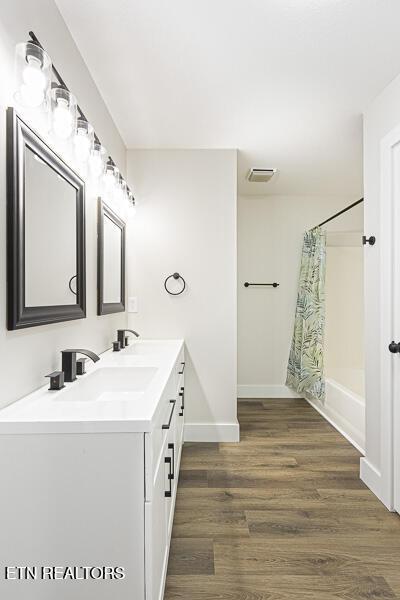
x: 63, y: 112
x: 33, y: 75
x: 83, y: 140
x: 40, y: 85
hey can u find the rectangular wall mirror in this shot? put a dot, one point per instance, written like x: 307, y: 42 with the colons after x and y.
x: 45, y: 232
x: 111, y: 261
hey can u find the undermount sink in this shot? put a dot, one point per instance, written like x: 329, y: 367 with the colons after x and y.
x: 110, y: 384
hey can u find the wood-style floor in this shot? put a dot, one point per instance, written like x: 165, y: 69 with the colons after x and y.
x: 282, y: 515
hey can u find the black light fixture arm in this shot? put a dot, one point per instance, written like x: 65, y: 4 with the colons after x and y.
x: 34, y: 39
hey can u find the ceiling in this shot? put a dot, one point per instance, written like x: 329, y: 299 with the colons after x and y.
x: 284, y: 81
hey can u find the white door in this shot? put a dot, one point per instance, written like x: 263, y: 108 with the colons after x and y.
x: 396, y: 327
x: 390, y: 317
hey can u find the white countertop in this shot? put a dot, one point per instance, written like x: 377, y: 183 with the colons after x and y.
x: 84, y: 407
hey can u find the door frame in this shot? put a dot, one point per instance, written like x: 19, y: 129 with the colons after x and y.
x: 389, y: 324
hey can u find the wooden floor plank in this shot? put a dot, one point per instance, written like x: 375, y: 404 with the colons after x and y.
x: 210, y: 523
x: 261, y: 499
x: 190, y: 557
x: 246, y: 462
x: 262, y: 587
x: 282, y: 515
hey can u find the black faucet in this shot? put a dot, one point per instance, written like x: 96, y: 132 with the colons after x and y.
x: 121, y: 336
x: 69, y: 361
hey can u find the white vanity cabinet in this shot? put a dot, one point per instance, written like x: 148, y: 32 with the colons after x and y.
x: 161, y: 486
x: 92, y: 494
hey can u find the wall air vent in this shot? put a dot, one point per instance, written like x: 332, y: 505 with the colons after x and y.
x: 260, y: 175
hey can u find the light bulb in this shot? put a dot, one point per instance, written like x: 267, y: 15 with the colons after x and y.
x: 120, y: 191
x: 96, y: 164
x: 109, y: 179
x: 62, y: 119
x: 34, y: 82
x: 81, y: 145
x: 33, y: 75
x: 96, y: 160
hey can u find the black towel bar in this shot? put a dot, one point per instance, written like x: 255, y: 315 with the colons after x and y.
x: 247, y: 284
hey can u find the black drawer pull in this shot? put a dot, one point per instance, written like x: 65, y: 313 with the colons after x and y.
x: 182, y: 397
x: 168, y: 425
x: 183, y: 368
x: 168, y: 493
x: 172, y: 447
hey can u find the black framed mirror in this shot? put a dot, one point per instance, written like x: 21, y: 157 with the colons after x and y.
x: 110, y: 261
x: 45, y: 232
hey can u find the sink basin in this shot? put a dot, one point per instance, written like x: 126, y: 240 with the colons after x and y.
x: 109, y: 384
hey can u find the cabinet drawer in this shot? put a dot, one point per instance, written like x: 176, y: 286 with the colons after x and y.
x: 159, y: 515
x: 156, y: 440
x: 156, y: 536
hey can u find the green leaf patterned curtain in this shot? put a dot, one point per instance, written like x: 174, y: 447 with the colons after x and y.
x: 305, y: 372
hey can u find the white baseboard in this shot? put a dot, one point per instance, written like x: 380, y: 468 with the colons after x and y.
x: 347, y: 430
x: 265, y: 391
x: 373, y: 479
x: 211, y: 432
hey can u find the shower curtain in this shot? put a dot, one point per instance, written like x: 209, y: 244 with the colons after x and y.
x: 305, y: 372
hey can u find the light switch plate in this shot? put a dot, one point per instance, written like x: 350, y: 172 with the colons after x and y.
x: 132, y: 304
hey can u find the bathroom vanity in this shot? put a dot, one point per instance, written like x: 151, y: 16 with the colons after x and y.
x: 89, y: 477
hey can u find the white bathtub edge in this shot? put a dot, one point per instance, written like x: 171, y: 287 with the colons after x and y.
x: 345, y: 428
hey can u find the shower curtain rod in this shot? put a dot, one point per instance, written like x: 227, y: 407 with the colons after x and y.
x: 339, y: 213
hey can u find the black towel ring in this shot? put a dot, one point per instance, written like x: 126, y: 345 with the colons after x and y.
x: 175, y: 276
x: 69, y: 284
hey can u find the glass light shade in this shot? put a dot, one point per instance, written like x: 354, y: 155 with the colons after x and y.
x: 131, y: 203
x: 97, y: 159
x: 120, y: 191
x: 63, y: 113
x: 83, y: 140
x: 32, y: 75
x: 110, y: 179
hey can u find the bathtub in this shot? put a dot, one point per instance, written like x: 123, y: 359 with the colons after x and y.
x: 344, y: 405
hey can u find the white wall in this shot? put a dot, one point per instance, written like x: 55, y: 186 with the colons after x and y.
x: 186, y: 222
x: 344, y: 403
x: 270, y: 234
x: 344, y: 331
x: 380, y: 118
x: 28, y: 355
